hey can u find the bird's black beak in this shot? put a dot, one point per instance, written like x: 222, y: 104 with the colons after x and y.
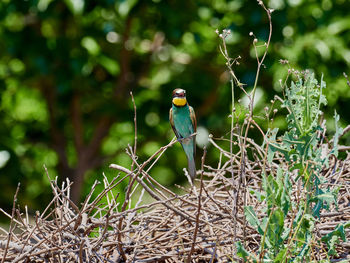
x: 179, y: 93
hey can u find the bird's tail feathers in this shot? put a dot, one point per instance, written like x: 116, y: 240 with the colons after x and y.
x: 192, y: 168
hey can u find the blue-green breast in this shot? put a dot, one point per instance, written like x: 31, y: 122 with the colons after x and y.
x: 182, y: 120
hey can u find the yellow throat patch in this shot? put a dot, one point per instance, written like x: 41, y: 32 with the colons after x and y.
x: 179, y: 101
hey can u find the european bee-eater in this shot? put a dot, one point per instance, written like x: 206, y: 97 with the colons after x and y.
x: 183, y: 121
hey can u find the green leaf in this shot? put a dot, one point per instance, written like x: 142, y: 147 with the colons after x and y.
x: 75, y: 6
x: 304, y: 237
x: 275, y: 229
x: 91, y: 45
x: 338, y: 132
x: 285, y: 198
x: 323, y: 199
x: 332, y: 238
x: 280, y: 256
x: 243, y: 253
x: 271, y: 135
x: 252, y: 219
x: 109, y: 64
x: 125, y: 7
x: 304, y: 100
x: 259, y: 195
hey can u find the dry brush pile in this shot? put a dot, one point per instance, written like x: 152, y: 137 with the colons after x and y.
x: 201, y: 225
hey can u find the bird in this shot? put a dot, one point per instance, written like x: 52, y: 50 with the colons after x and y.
x: 183, y: 121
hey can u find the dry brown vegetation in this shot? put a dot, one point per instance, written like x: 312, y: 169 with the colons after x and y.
x: 200, y: 225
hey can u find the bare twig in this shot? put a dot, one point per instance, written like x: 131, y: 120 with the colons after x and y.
x: 135, y: 128
x: 198, y: 209
x: 10, y: 233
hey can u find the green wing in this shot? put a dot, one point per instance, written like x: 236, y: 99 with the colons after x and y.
x: 193, y: 119
x: 171, y: 119
x: 194, y: 123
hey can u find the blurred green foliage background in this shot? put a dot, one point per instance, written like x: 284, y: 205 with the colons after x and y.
x: 67, y: 67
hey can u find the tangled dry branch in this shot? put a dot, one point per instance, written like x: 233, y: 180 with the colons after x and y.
x: 200, y: 225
